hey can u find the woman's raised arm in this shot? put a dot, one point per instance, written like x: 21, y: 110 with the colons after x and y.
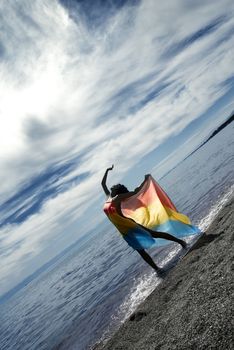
x: 104, y: 186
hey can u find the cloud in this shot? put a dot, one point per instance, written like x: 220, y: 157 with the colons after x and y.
x: 177, y: 47
x: 81, y: 90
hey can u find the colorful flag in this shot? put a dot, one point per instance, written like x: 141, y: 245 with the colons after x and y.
x: 152, y: 208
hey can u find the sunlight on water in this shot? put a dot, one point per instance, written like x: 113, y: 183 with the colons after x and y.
x: 143, y: 286
x: 215, y: 209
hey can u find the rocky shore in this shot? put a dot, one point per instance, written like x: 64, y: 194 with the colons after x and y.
x: 193, y: 307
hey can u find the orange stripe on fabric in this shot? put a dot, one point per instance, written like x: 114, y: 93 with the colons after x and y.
x: 163, y: 196
x: 150, y: 193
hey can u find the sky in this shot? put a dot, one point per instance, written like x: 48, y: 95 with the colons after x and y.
x: 87, y: 84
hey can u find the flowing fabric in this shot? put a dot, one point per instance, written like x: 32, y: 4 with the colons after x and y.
x: 152, y: 208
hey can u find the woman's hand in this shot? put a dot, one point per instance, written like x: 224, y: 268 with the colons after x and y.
x: 140, y: 187
x: 147, y: 176
x: 111, y: 168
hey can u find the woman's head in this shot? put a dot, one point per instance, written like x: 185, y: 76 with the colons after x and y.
x: 118, y: 189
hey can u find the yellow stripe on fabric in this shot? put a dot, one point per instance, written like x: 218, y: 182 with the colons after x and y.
x: 179, y: 217
x: 122, y: 224
x: 156, y: 214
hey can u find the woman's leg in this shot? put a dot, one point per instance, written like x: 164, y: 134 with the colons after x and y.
x: 148, y: 259
x: 169, y: 237
x: 165, y: 235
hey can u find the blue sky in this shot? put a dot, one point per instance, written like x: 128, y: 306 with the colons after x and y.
x: 85, y: 84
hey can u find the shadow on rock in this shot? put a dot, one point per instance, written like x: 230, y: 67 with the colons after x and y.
x: 204, y: 240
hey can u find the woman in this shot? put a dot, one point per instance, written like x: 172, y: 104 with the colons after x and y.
x: 117, y: 195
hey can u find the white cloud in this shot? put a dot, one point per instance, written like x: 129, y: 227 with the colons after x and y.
x: 62, y: 94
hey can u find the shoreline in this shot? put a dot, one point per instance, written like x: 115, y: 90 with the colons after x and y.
x: 192, y: 307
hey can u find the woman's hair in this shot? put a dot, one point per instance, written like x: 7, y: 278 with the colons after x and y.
x: 118, y: 189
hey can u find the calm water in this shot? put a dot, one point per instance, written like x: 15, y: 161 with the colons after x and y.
x: 93, y: 290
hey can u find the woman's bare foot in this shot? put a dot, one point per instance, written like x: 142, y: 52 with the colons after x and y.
x: 161, y: 272
x: 183, y: 244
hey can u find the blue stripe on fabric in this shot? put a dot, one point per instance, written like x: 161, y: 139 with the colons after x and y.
x: 177, y: 228
x: 138, y: 238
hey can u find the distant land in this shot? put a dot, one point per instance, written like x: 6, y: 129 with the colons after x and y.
x: 214, y: 133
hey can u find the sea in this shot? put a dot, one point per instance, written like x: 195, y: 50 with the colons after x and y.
x: 85, y: 297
